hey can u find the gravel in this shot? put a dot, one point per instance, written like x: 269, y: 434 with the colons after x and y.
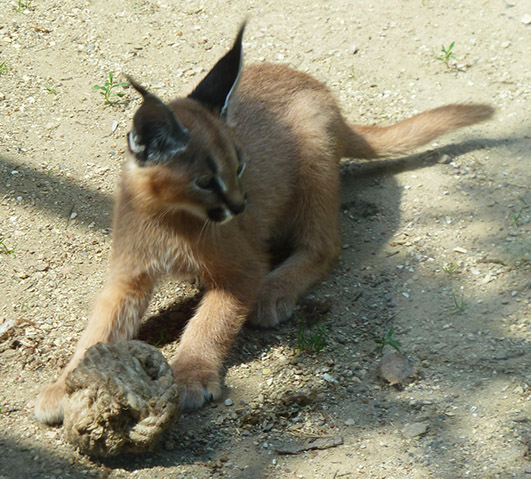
x: 463, y: 202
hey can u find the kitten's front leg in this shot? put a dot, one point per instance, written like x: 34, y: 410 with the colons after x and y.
x: 205, y: 343
x: 116, y: 316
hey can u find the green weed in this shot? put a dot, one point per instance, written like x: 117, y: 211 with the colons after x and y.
x: 23, y: 5
x: 388, y: 340
x: 107, y: 89
x: 3, y: 67
x: 4, y: 249
x: 458, y: 304
x: 163, y: 339
x: 446, y: 55
x: 517, y: 216
x: 311, y: 337
x: 450, y: 268
x: 50, y: 90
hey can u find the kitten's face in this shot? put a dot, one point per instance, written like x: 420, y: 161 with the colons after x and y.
x: 205, y: 179
x: 216, y: 185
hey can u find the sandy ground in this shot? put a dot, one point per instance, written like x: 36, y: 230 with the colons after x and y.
x: 436, y: 245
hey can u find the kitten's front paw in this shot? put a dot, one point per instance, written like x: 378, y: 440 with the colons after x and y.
x: 196, y: 386
x: 273, y: 307
x: 49, y: 404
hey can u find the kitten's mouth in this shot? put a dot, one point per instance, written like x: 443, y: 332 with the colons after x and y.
x: 219, y: 215
x: 222, y: 215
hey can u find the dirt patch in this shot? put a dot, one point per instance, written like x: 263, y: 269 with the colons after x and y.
x: 436, y: 245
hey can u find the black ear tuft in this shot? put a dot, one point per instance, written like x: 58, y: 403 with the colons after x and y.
x: 216, y: 88
x: 137, y: 86
x: 157, y: 135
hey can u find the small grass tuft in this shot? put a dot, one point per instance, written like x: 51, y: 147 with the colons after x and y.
x: 446, y: 55
x: 450, y: 268
x: 163, y: 339
x: 311, y: 337
x: 3, y: 67
x: 517, y: 216
x: 107, y: 89
x: 4, y: 249
x: 50, y: 90
x: 23, y: 5
x: 458, y: 304
x: 388, y: 340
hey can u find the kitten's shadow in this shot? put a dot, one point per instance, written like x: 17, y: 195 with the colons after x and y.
x: 167, y: 325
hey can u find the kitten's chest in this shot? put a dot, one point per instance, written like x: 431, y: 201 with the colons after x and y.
x: 180, y: 258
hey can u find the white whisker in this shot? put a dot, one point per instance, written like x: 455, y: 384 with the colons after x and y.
x: 205, y: 227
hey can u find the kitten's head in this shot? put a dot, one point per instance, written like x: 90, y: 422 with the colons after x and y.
x: 184, y: 155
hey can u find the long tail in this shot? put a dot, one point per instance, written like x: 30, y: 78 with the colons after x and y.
x: 375, y: 141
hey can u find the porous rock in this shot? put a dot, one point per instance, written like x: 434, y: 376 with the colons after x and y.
x: 120, y: 399
x: 396, y: 369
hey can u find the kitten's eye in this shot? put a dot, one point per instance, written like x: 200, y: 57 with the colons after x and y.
x: 240, y: 170
x: 205, y: 183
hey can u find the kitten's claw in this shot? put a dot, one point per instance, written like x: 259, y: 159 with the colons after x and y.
x: 194, y: 395
x: 196, y: 385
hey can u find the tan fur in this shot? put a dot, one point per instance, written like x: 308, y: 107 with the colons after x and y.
x: 292, y: 135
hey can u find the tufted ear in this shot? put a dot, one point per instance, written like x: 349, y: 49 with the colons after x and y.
x: 157, y: 134
x: 215, y: 89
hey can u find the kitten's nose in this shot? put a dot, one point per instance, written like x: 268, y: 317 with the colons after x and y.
x: 237, y: 208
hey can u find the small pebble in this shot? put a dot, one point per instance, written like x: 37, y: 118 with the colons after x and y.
x: 415, y: 429
x: 518, y: 390
x: 328, y: 378
x: 229, y: 402
x: 41, y: 267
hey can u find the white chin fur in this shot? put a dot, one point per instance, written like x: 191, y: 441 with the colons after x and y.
x: 228, y: 217
x: 200, y: 213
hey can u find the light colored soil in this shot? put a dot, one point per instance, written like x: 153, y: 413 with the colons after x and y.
x: 437, y: 245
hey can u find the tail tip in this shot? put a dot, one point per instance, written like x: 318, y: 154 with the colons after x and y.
x: 483, y: 111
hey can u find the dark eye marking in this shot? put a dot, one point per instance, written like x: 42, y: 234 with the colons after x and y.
x: 211, y: 164
x: 207, y: 183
